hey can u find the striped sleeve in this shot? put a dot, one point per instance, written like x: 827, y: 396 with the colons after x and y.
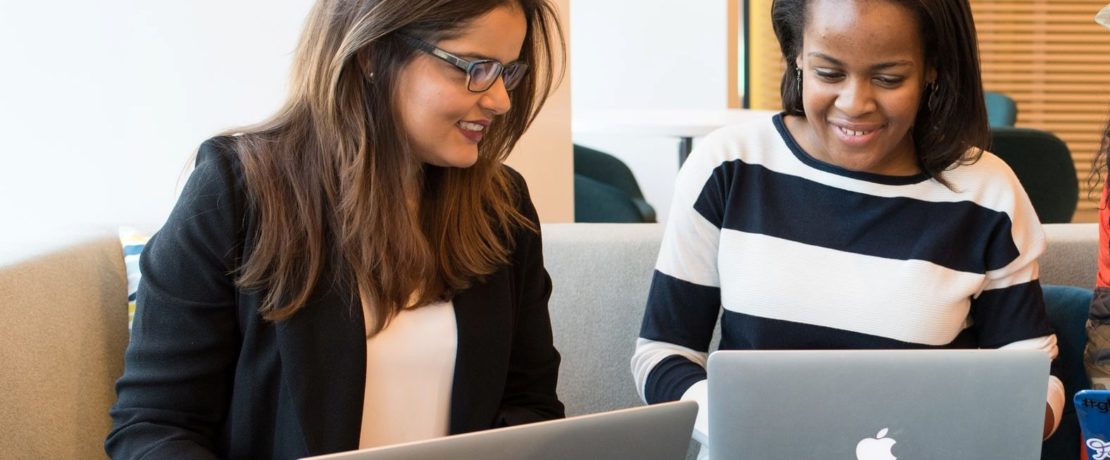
x: 1009, y: 313
x: 1010, y: 307
x: 685, y: 297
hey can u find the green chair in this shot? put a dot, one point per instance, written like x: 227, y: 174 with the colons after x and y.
x: 1001, y: 109
x: 1045, y: 168
x: 606, y: 191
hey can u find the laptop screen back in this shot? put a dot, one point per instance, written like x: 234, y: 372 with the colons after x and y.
x: 879, y: 404
x: 657, y: 432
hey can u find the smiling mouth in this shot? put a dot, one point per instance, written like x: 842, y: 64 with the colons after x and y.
x: 853, y: 133
x: 476, y: 127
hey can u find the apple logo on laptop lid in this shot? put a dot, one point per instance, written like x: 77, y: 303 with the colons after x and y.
x: 877, y: 448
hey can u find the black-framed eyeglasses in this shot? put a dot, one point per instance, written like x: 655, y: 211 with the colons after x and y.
x: 481, y: 74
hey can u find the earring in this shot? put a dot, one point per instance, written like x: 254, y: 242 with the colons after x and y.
x: 931, y: 103
x: 798, y: 79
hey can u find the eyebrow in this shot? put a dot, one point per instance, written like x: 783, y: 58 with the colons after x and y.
x: 879, y: 66
x: 476, y: 56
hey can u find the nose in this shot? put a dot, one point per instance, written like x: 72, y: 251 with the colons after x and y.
x: 856, y: 98
x: 496, y: 99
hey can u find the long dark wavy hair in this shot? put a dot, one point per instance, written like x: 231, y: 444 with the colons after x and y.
x: 326, y: 175
x: 955, y: 130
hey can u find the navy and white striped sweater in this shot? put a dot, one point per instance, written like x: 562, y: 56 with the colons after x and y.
x: 801, y: 254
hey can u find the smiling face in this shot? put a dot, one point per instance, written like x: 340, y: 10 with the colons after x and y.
x: 443, y: 120
x: 863, y: 76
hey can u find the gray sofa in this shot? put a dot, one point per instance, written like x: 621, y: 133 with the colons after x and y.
x: 63, y: 326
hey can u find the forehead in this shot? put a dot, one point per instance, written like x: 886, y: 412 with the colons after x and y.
x: 498, y: 34
x: 863, y: 30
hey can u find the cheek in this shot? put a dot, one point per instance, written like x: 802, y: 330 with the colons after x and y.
x: 905, y: 105
x: 421, y: 107
x: 816, y: 100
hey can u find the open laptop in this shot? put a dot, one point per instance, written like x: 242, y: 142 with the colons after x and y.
x: 657, y: 432
x: 877, y: 404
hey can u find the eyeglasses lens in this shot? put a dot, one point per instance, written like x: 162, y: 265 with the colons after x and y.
x: 513, y: 74
x: 483, y: 74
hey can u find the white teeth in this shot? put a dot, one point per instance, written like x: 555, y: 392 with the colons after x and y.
x: 852, y: 132
x: 471, y: 126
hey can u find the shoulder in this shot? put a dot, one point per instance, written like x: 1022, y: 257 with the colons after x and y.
x: 989, y: 182
x: 751, y: 135
x: 756, y: 140
x: 219, y: 154
x: 218, y: 170
x: 213, y: 196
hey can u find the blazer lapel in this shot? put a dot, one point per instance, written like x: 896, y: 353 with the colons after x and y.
x: 484, y: 319
x: 323, y: 358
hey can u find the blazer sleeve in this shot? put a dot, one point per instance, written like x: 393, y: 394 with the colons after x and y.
x: 173, y: 396
x: 534, y: 363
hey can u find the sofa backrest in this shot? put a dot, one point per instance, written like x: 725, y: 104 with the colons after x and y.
x: 1072, y: 255
x: 63, y: 329
x: 601, y: 274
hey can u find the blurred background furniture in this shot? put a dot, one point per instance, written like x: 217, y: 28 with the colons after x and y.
x: 683, y: 124
x: 605, y: 190
x: 1001, y: 109
x: 1045, y: 168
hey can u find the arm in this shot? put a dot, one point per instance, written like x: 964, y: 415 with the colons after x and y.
x: 1096, y: 356
x: 684, y: 298
x: 534, y: 363
x: 173, y: 396
x: 1009, y: 312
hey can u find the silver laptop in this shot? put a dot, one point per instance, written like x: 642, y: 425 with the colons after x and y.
x: 657, y: 432
x: 877, y: 405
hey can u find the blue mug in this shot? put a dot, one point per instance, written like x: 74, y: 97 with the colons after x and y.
x: 1093, y: 409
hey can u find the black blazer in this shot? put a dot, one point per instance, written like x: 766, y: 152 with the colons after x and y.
x: 206, y: 376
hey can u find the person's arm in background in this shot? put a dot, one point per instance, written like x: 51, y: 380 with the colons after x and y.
x: 1096, y: 356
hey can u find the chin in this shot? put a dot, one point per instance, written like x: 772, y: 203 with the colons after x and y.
x: 462, y: 158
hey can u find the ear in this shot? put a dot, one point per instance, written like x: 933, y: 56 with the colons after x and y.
x: 798, y: 61
x: 930, y: 75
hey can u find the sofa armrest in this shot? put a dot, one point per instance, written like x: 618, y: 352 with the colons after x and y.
x: 63, y: 329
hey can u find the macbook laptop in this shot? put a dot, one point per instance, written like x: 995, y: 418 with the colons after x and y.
x: 657, y: 432
x: 877, y: 404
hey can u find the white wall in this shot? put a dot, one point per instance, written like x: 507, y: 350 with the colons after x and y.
x: 103, y: 104
x: 648, y: 54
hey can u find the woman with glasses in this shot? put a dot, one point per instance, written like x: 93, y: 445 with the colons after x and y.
x: 360, y: 269
x: 865, y: 215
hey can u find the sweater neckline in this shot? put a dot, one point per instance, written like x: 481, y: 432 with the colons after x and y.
x: 812, y: 162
